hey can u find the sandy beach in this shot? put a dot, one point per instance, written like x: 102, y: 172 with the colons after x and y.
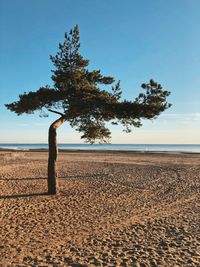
x: 113, y: 209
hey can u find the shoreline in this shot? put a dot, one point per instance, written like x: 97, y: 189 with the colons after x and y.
x: 134, y: 152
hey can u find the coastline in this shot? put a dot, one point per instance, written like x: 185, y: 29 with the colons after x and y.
x: 102, y: 151
x: 133, y: 148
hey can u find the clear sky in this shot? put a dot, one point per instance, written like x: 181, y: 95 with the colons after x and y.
x: 132, y: 40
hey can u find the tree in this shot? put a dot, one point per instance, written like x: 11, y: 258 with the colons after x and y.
x: 77, y: 97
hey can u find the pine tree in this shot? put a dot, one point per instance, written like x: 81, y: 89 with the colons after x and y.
x: 77, y: 98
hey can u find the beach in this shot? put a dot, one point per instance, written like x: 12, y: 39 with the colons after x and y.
x: 112, y: 209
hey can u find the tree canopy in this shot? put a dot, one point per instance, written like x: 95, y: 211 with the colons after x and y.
x: 77, y: 95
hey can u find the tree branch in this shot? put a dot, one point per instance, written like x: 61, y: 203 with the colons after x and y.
x: 56, y: 112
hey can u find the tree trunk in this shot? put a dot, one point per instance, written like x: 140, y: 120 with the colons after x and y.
x: 53, y: 153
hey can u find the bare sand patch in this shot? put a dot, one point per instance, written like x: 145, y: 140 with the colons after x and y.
x: 113, y: 209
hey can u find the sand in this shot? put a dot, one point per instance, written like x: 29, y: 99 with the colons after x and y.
x: 113, y: 209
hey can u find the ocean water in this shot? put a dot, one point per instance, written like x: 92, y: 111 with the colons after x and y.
x: 116, y: 147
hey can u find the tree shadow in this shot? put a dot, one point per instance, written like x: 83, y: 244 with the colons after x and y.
x: 23, y: 179
x: 24, y: 195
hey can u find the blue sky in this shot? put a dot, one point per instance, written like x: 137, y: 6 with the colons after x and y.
x: 132, y: 40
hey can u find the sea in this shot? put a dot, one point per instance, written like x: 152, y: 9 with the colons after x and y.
x: 178, y: 148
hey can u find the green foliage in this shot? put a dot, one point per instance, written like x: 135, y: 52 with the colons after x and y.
x: 77, y: 94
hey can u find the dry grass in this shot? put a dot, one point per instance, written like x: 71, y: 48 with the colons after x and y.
x: 10, y: 156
